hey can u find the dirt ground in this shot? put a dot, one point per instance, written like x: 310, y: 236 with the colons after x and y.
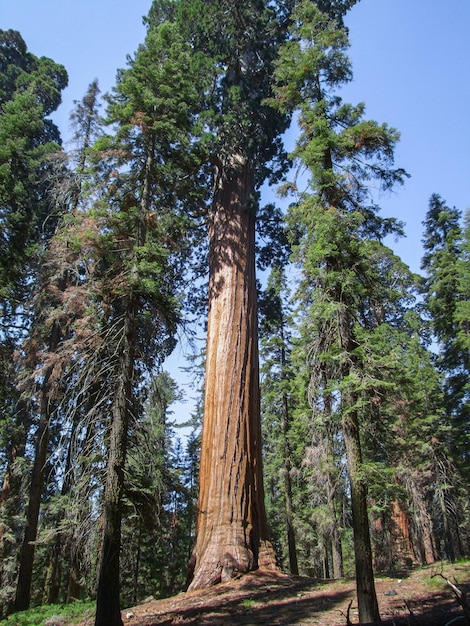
x: 415, y: 598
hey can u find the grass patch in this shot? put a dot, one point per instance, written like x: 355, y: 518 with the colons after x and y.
x: 51, y: 615
x: 247, y: 603
x: 459, y: 571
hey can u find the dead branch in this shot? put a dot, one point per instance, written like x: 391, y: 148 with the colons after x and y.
x: 458, y: 593
x: 346, y: 615
x: 414, y: 619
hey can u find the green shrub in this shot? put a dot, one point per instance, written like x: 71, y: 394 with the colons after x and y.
x: 51, y: 615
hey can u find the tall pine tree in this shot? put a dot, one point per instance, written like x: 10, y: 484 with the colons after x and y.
x: 333, y: 230
x: 443, y: 262
x: 151, y: 158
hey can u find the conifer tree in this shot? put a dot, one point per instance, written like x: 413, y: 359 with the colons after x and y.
x: 151, y: 157
x: 443, y: 262
x: 244, y: 138
x: 60, y: 278
x: 462, y: 306
x: 30, y: 90
x: 276, y: 405
x: 462, y: 320
x: 332, y: 228
x: 155, y: 550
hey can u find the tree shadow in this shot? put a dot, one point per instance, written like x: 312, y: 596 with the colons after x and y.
x: 277, y: 610
x: 274, y: 602
x: 284, y: 601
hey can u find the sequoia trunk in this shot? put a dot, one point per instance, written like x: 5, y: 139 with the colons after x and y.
x: 231, y: 533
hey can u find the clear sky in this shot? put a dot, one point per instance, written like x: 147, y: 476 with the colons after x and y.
x: 411, y: 62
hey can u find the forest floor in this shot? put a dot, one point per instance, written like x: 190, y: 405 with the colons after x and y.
x: 418, y: 597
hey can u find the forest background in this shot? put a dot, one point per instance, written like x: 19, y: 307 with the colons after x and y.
x: 413, y: 88
x: 409, y: 65
x: 410, y: 62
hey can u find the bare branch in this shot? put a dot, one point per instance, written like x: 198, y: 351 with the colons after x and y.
x: 459, y: 595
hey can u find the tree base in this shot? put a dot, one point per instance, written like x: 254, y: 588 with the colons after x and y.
x: 214, y: 569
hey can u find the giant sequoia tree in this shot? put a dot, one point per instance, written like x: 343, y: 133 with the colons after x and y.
x: 231, y: 529
x: 193, y: 130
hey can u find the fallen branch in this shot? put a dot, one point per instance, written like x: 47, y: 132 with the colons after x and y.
x: 408, y: 608
x: 346, y: 615
x: 458, y: 593
x: 414, y: 619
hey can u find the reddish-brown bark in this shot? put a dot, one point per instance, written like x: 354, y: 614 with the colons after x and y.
x: 401, y: 533
x: 231, y: 528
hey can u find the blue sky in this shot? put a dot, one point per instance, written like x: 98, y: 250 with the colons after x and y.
x: 411, y: 62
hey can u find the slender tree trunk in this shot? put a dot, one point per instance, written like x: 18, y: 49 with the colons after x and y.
x: 25, y: 574
x: 108, y: 612
x: 291, y: 543
x: 337, y: 552
x: 365, y: 586
x: 231, y: 533
x: 53, y: 575
x: 135, y: 593
x: 335, y: 534
x: 10, y: 502
x: 325, y: 557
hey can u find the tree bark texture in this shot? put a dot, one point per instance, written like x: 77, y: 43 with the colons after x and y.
x: 335, y: 532
x: 25, y: 573
x: 291, y: 542
x: 365, y: 585
x: 423, y: 542
x: 231, y: 532
x: 108, y: 611
x: 402, y: 545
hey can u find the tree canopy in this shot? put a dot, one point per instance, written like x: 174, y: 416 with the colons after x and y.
x: 337, y: 446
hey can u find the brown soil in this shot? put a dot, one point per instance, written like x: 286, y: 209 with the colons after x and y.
x: 414, y: 598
